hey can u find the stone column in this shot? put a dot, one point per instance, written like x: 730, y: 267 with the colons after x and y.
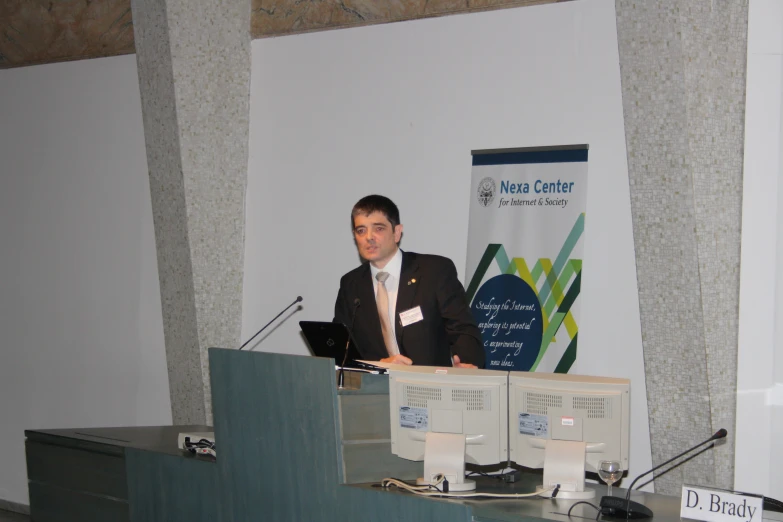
x: 194, y: 73
x: 682, y: 67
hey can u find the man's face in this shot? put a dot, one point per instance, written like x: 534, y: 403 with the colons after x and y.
x: 375, y: 238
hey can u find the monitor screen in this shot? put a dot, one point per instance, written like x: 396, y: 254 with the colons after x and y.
x: 585, y: 418
x: 467, y: 407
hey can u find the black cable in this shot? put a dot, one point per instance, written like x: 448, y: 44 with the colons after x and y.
x: 498, y: 476
x: 203, y: 443
x: 482, y: 474
x: 430, y: 486
x: 583, y: 502
x: 418, y: 490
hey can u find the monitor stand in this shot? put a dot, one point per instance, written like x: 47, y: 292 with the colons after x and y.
x: 564, y: 464
x: 444, y: 454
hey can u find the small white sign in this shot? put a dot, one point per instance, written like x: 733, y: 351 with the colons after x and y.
x: 717, y: 505
x: 411, y: 316
x: 567, y: 421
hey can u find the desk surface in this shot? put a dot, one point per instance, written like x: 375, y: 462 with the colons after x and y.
x: 113, y: 441
x: 666, y: 508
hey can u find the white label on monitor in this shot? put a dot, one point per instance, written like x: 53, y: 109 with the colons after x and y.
x: 567, y: 421
x: 414, y: 418
x: 533, y: 425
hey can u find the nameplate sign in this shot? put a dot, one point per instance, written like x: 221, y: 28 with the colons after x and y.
x: 718, y: 505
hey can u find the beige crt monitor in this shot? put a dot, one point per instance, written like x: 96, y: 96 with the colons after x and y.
x: 448, y: 416
x: 566, y: 424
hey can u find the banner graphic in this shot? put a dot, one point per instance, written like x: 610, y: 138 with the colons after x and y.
x: 525, y: 244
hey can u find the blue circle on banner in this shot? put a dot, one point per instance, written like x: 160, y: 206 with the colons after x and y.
x: 509, y: 318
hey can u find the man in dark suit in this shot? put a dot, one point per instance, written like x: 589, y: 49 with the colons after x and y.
x: 410, y: 308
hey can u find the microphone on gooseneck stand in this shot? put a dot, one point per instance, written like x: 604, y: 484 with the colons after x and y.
x: 627, y: 508
x: 341, y: 377
x: 297, y: 300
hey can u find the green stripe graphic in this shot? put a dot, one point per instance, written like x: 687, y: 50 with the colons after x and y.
x: 557, y: 320
x: 569, y: 357
x: 553, y: 284
x: 562, y: 257
x: 483, y: 266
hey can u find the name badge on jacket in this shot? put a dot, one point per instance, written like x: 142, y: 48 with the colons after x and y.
x: 411, y: 316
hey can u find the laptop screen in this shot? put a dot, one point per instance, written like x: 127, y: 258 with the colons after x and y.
x: 327, y: 339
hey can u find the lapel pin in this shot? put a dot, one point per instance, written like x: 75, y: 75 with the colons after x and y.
x: 412, y: 281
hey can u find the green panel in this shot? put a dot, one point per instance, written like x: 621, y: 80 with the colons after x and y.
x: 55, y: 504
x: 78, y: 470
x: 366, y: 444
x: 164, y: 488
x: 113, y: 441
x: 359, y: 383
x: 71, y: 439
x: 275, y: 428
x: 276, y: 432
x: 365, y: 417
x: 373, y: 462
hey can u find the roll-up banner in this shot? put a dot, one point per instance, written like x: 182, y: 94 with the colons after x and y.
x: 525, y: 245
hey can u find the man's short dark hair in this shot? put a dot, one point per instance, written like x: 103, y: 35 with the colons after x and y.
x: 375, y: 203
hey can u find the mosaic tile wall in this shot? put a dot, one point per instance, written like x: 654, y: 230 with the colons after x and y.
x: 194, y: 72
x: 683, y: 79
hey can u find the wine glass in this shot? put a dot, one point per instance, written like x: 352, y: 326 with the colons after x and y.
x: 610, y: 472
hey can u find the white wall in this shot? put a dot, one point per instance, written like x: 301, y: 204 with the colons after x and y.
x: 80, y: 315
x: 396, y: 109
x: 759, y: 454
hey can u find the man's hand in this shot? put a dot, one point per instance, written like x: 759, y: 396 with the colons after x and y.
x: 458, y: 364
x: 398, y: 359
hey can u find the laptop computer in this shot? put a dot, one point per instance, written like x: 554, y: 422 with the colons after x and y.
x: 327, y: 339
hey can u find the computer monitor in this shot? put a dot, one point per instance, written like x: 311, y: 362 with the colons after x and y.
x: 567, y: 424
x: 448, y: 416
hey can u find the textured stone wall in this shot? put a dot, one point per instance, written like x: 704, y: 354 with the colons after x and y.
x: 278, y: 17
x: 683, y: 79
x: 194, y: 73
x: 34, y: 32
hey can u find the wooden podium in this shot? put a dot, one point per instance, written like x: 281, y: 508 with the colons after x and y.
x: 290, y: 447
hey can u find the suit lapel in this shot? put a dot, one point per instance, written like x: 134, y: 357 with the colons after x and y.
x: 406, y: 292
x: 365, y: 292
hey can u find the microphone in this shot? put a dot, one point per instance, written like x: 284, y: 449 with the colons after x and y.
x: 627, y: 508
x: 297, y: 300
x: 341, y: 377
